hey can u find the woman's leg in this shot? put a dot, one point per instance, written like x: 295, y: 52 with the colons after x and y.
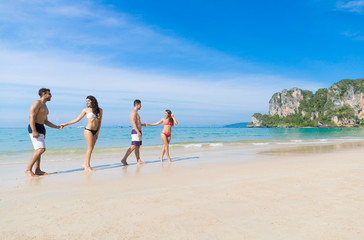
x: 167, y: 149
x: 163, y: 148
x: 90, y: 142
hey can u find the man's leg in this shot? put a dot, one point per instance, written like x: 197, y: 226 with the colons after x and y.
x: 137, y: 155
x: 39, y: 146
x: 128, y: 152
x: 37, y: 170
x: 34, y: 160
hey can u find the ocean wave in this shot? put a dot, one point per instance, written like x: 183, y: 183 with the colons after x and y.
x: 349, y: 139
x: 216, y: 144
x: 193, y: 145
x: 260, y: 144
x: 313, y: 143
x: 286, y: 143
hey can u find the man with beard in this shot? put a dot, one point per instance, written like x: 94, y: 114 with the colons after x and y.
x: 38, y: 116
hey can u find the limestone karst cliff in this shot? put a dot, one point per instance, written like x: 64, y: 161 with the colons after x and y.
x: 340, y: 105
x: 285, y: 103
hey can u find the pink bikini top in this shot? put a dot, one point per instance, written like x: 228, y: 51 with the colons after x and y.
x: 166, y: 122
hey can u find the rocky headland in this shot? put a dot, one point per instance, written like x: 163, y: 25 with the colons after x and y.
x: 341, y: 105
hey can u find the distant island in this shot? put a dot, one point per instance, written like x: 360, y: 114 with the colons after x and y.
x: 237, y: 125
x: 341, y: 105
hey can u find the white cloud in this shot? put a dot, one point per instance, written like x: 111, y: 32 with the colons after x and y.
x: 73, y: 77
x: 103, y: 32
x: 351, y: 6
x: 72, y: 11
x: 353, y: 35
x: 89, y: 11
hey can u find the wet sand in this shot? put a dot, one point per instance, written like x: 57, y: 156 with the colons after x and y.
x: 234, y: 192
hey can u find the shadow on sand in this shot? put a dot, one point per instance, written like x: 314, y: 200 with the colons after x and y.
x: 118, y: 165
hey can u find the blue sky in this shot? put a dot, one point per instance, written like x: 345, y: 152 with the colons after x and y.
x: 210, y: 62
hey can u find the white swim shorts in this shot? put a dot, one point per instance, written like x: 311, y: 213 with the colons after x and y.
x: 38, y: 142
x: 135, y: 138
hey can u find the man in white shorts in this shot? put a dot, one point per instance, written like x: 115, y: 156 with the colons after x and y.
x: 38, y: 116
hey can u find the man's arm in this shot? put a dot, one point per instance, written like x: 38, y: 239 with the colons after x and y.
x: 34, y: 109
x: 49, y: 124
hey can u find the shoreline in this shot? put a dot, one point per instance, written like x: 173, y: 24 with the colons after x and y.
x: 18, y: 155
x: 62, y: 162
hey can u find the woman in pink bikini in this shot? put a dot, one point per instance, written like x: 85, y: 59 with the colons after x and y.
x: 168, y: 121
x: 94, y: 116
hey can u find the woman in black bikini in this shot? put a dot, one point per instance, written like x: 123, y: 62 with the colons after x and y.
x: 94, y: 116
x: 166, y: 134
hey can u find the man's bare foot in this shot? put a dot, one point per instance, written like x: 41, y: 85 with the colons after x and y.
x: 140, y: 162
x: 40, y: 173
x: 30, y: 173
x: 169, y: 161
x: 123, y: 161
x: 89, y: 169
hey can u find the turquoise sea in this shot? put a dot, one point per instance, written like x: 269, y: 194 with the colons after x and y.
x: 15, y: 142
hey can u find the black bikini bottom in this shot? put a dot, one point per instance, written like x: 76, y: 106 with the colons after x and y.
x: 93, y: 131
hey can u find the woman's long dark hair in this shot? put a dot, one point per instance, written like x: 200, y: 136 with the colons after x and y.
x: 94, y: 105
x: 170, y: 119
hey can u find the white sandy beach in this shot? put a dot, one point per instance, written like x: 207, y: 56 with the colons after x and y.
x: 301, y: 192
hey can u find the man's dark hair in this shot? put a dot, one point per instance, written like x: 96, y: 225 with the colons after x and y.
x: 43, y: 91
x: 136, y: 102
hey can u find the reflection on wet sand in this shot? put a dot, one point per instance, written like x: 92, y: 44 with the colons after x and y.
x: 311, y: 149
x: 166, y: 167
x: 125, y: 169
x: 33, y: 181
x: 137, y: 171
